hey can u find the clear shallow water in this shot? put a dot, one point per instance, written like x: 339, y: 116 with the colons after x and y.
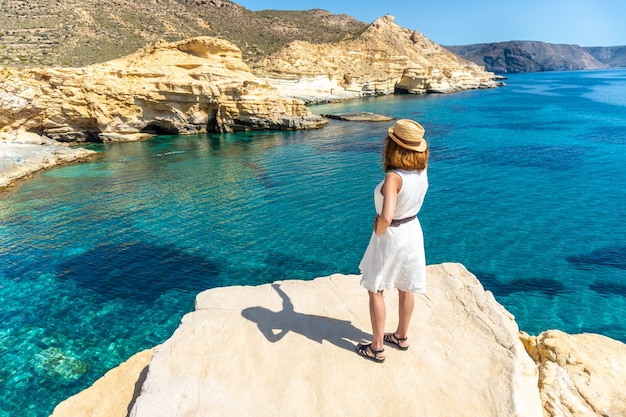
x: 101, y: 260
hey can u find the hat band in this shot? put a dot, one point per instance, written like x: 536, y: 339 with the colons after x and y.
x: 407, y: 142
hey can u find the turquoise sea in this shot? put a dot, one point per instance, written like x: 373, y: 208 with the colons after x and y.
x: 527, y: 189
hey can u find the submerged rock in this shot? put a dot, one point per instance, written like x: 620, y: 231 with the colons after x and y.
x: 360, y: 116
x: 59, y: 366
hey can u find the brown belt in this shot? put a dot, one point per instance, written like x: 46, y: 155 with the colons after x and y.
x: 396, y: 223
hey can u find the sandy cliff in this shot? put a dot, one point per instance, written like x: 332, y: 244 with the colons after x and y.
x: 386, y: 58
x: 192, y: 86
x: 202, y: 85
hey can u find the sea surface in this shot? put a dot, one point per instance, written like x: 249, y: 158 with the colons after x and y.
x: 102, y: 259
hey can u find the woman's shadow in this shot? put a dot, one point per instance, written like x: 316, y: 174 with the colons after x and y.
x: 275, y: 325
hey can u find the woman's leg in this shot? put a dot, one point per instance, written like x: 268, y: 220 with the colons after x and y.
x: 377, y: 316
x: 406, y: 304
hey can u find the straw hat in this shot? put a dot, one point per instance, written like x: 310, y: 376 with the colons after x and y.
x: 409, y: 135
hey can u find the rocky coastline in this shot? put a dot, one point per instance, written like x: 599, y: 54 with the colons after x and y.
x: 202, y: 85
x: 385, y: 59
x: 293, y: 347
x: 287, y: 348
x: 24, y: 153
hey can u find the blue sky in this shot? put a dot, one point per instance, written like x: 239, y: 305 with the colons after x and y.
x: 462, y: 22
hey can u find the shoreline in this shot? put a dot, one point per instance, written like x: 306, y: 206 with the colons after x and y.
x: 23, y: 154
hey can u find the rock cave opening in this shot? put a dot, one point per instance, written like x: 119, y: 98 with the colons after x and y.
x: 160, y: 127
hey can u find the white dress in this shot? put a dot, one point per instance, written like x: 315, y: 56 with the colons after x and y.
x: 396, y: 259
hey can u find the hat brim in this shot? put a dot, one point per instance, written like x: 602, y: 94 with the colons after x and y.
x: 421, y: 146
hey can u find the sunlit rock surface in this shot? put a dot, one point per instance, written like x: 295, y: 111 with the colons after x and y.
x: 288, y: 349
x: 192, y: 86
x: 23, y: 153
x: 386, y: 58
x: 579, y: 375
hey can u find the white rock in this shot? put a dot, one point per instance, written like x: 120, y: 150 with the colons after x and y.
x: 23, y: 153
x: 110, y: 395
x: 287, y: 349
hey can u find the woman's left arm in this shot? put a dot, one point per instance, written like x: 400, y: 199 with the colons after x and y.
x: 390, y: 189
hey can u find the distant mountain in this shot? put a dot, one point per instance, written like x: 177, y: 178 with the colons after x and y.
x: 530, y: 56
x: 613, y: 56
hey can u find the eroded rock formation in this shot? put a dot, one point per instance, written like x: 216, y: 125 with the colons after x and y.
x: 386, y: 58
x: 579, y: 375
x: 192, y: 86
x: 202, y: 85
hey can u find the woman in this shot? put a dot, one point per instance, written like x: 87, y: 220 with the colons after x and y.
x: 395, y: 257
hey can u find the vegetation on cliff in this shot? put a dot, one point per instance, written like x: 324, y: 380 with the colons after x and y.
x: 66, y: 33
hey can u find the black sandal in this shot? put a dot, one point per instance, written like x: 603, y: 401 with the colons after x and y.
x: 392, y: 339
x: 362, y: 350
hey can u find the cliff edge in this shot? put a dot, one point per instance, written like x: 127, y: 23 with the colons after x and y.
x: 202, y: 85
x: 287, y: 348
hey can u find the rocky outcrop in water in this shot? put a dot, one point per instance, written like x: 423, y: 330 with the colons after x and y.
x: 386, y: 58
x: 193, y: 86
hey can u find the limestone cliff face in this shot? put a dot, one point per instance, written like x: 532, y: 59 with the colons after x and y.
x: 192, y: 86
x: 386, y: 58
x: 202, y: 85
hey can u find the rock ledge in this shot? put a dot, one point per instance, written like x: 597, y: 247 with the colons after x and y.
x: 288, y: 349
